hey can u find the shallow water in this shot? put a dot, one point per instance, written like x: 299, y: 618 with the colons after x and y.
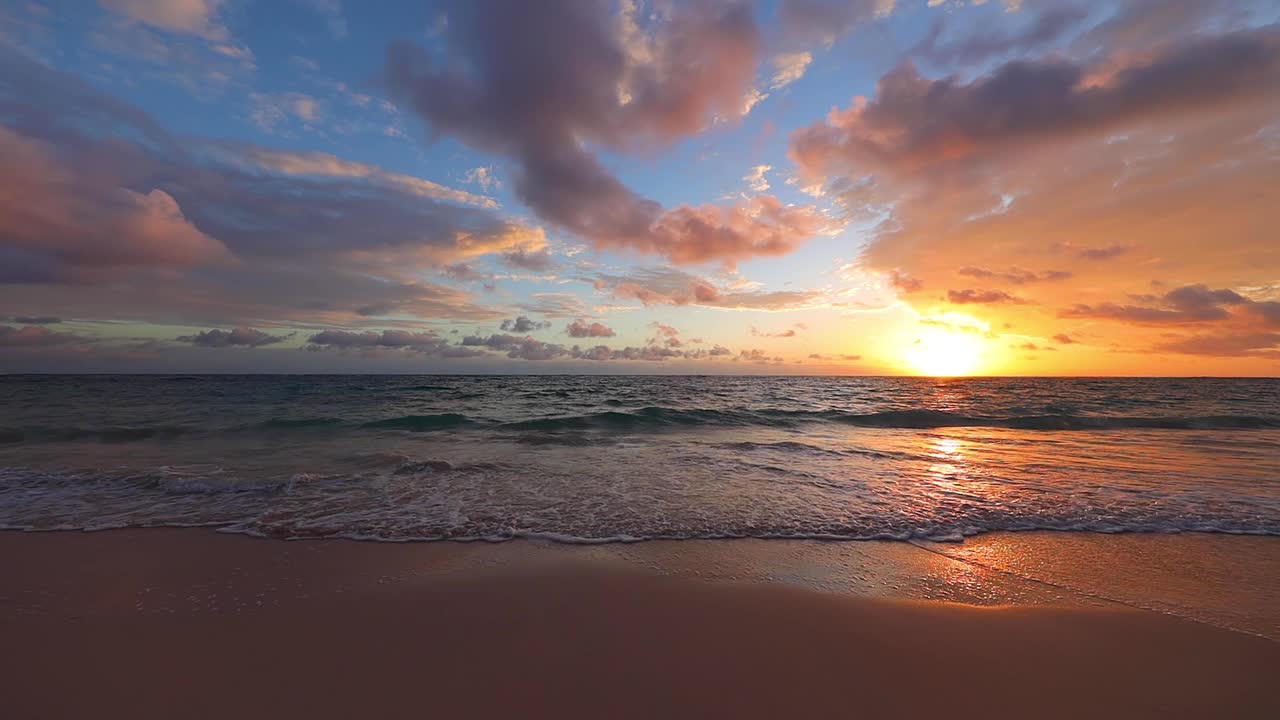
x: 591, y: 459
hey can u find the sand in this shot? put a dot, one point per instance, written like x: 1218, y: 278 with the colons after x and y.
x: 192, y: 623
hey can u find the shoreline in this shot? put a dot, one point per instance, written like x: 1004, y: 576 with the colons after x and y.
x: 161, y: 622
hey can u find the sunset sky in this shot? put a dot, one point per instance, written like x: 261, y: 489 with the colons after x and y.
x: 640, y: 186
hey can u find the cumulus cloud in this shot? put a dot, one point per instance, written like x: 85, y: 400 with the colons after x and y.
x: 81, y: 222
x: 1112, y: 161
x: 541, y: 82
x: 517, y: 347
x: 582, y: 329
x: 524, y: 324
x: 226, y: 232
x: 239, y: 337
x: 914, y: 122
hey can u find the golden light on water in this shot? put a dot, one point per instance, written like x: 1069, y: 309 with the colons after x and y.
x: 940, y: 352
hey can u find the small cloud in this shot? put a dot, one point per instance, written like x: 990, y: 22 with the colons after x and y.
x: 582, y: 329
x: 982, y: 297
x: 484, y: 177
x: 788, y: 333
x: 539, y: 261
x: 1104, y: 252
x: 905, y: 283
x: 1064, y: 339
x: 756, y: 178
x: 788, y: 68
x: 269, y: 110
x: 523, y: 324
x: 1015, y: 275
x: 750, y: 100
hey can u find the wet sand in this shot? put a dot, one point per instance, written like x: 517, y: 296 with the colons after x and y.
x: 192, y: 623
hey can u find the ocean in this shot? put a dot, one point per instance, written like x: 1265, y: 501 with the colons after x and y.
x: 612, y: 459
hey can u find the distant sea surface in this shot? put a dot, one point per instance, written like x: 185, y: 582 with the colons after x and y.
x: 599, y: 459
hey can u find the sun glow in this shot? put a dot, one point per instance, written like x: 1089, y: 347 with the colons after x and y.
x: 938, y: 352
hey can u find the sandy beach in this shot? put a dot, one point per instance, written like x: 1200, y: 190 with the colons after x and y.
x: 193, y: 623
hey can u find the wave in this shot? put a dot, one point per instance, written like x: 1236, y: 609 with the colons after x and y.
x: 421, y: 423
x: 659, y: 417
x: 299, y: 423
x: 76, y: 434
x: 651, y: 419
x: 430, y: 499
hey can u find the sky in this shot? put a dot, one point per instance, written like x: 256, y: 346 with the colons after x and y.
x: 861, y: 187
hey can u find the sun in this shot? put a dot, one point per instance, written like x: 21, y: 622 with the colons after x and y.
x: 942, y: 353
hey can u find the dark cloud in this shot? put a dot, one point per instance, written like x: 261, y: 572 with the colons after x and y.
x: 1268, y: 311
x: 523, y: 324
x: 1188, y: 304
x: 982, y: 297
x: 1200, y: 299
x: 36, y: 320
x: 583, y: 329
x: 1015, y: 275
x: 1030, y: 346
x: 1064, y: 339
x: 756, y: 355
x: 1105, y: 252
x: 239, y: 337
x: 516, y: 347
x: 914, y: 122
x: 541, y: 82
x: 424, y: 343
x: 33, y: 336
x: 1244, y: 344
